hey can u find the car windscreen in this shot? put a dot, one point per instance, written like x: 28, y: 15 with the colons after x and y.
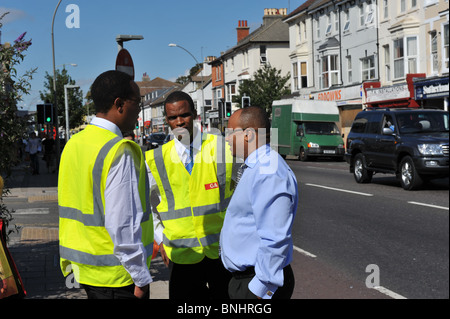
x: 321, y: 128
x: 423, y: 122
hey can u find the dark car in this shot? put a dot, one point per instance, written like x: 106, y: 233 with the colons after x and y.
x: 410, y: 143
x: 155, y: 139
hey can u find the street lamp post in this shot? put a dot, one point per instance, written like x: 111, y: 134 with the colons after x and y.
x: 67, y: 108
x: 201, y: 73
x: 58, y: 144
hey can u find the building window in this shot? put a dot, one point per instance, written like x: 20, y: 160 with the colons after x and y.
x: 387, y: 62
x: 368, y: 68
x: 405, y: 61
x: 361, y: 15
x: 318, y: 28
x: 336, y: 22
x: 402, y: 6
x: 329, y: 71
x: 231, y: 91
x: 329, y: 26
x: 349, y: 70
x: 445, y: 52
x: 263, y: 55
x: 434, y: 52
x: 295, y: 75
x: 385, y: 9
x: 303, y: 74
x: 413, y: 3
x: 347, y: 21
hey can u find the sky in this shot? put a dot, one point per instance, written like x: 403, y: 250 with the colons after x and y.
x: 204, y: 27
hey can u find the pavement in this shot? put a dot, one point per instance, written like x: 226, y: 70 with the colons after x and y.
x: 35, y: 248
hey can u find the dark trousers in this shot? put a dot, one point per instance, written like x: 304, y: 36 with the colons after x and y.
x: 207, y: 279
x: 238, y: 287
x: 126, y: 292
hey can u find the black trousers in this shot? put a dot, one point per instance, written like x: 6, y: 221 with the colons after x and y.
x: 207, y: 279
x: 238, y: 287
x: 126, y: 292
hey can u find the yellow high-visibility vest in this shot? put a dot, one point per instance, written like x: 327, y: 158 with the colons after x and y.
x: 192, y: 207
x: 86, y: 249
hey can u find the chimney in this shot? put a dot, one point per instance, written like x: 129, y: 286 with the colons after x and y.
x: 271, y: 15
x: 242, y: 30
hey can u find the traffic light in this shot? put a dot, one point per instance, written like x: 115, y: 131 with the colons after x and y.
x: 245, y: 101
x: 48, y: 113
x: 40, y: 113
x: 221, y: 108
x: 227, y: 109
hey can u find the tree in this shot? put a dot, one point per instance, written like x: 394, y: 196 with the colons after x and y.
x: 75, y: 98
x: 12, y: 127
x: 267, y: 86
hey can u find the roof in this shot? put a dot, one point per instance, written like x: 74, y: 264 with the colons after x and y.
x: 155, y: 84
x: 274, y: 30
x: 300, y: 9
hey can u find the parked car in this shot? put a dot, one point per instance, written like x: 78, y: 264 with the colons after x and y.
x: 410, y: 143
x: 155, y: 139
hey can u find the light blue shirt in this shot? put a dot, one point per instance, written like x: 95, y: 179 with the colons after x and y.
x: 258, y: 222
x: 124, y: 212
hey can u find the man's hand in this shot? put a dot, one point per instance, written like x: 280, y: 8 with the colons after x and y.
x: 164, y: 255
x: 140, y: 292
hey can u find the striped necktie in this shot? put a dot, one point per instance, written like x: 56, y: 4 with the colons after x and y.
x: 190, y: 162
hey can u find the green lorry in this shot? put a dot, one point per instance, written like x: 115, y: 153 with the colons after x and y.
x: 307, y: 129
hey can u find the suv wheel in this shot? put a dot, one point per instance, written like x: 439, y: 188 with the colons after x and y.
x: 361, y: 174
x: 409, y: 178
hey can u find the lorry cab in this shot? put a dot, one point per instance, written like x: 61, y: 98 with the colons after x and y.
x: 307, y: 129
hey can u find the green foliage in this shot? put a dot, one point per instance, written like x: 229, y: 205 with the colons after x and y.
x: 12, y: 127
x: 75, y: 98
x: 267, y: 86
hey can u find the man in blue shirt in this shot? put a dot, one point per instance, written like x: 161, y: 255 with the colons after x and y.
x: 256, y: 241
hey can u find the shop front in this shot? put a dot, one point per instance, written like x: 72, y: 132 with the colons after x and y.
x: 395, y: 96
x: 432, y: 92
x: 348, y: 100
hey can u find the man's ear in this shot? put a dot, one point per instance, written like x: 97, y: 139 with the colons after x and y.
x: 118, y: 102
x: 250, y: 135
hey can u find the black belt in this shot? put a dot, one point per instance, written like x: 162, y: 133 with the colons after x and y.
x: 247, y: 273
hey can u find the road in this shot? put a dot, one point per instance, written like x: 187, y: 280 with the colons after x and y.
x: 349, y: 226
x: 348, y: 234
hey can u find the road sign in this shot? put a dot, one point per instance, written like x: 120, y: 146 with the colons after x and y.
x: 124, y: 62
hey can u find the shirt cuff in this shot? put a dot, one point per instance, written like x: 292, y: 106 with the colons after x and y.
x: 260, y: 289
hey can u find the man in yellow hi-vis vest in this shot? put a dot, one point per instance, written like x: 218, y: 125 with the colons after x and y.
x: 193, y: 176
x: 105, y: 224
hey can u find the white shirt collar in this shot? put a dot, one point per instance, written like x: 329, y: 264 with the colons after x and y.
x: 107, y: 125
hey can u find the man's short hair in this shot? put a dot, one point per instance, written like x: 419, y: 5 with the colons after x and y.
x: 109, y: 86
x: 254, y: 117
x: 178, y: 96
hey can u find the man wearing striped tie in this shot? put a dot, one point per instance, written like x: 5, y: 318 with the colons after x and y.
x: 192, y: 174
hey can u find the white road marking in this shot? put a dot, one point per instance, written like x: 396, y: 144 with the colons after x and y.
x: 428, y: 205
x: 304, y: 252
x: 389, y: 293
x: 339, y: 190
x: 32, y: 211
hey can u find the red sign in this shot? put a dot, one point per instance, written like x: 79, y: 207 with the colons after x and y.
x: 124, y: 62
x: 211, y: 186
